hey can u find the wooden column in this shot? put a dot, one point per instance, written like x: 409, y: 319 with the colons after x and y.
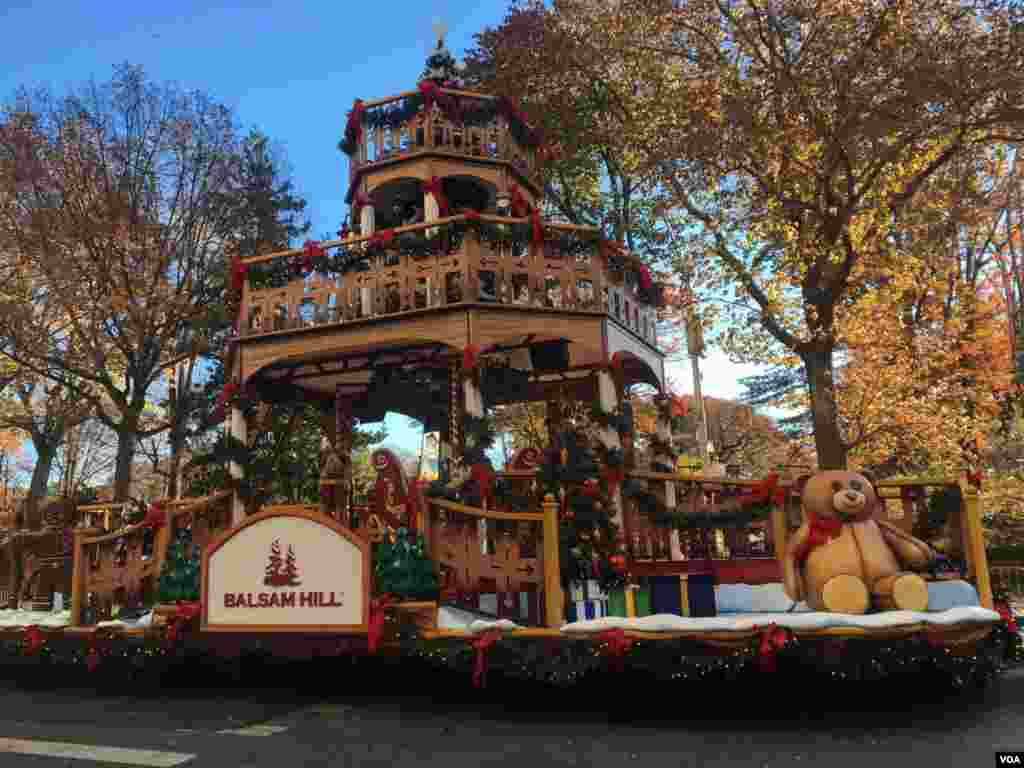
x: 553, y: 597
x: 77, y: 574
x: 608, y: 398
x: 237, y: 429
x: 974, y: 543
x: 451, y: 443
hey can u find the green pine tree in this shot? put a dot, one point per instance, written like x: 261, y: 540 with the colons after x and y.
x: 403, y: 568
x: 179, y: 576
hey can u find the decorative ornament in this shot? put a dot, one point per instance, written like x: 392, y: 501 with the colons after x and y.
x: 311, y: 251
x: 773, y: 639
x: 378, y: 609
x: 618, y: 644
x: 239, y: 271
x: 482, y: 645
x: 34, y: 640
x: 433, y: 187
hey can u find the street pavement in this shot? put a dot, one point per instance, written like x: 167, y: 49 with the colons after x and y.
x: 339, y: 715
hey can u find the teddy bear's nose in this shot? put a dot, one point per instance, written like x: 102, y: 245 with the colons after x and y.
x: 852, y: 496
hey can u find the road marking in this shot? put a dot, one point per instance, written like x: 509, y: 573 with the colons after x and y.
x: 147, y: 758
x: 254, y: 730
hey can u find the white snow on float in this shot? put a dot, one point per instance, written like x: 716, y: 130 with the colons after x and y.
x: 19, y: 618
x: 665, y: 622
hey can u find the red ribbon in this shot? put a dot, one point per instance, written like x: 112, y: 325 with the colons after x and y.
x: 773, y: 639
x: 975, y: 478
x: 538, y: 227
x: 34, y: 640
x: 183, y: 614
x: 470, y: 357
x: 935, y: 637
x: 355, y: 119
x: 481, y: 645
x: 645, y: 277
x: 821, y: 533
x: 156, y: 516
x: 239, y: 270
x: 311, y: 250
x: 618, y: 644
x: 428, y: 90
x: 187, y: 611
x: 434, y: 188
x: 520, y: 204
x: 483, y: 476
x: 613, y: 477
x: 382, y: 237
x: 377, y: 613
x: 472, y: 215
x: 1007, y: 616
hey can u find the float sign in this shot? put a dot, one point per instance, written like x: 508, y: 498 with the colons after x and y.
x: 287, y: 571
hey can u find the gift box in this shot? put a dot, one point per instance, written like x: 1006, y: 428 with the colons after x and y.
x: 686, y: 595
x: 583, y: 610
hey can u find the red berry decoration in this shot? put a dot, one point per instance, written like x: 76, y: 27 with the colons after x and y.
x: 618, y: 563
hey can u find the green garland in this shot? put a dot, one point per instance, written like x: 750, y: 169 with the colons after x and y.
x: 474, y: 113
x: 651, y: 507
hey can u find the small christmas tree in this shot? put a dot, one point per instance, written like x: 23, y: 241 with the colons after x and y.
x: 588, y: 539
x: 441, y: 65
x: 402, y: 568
x: 179, y: 576
x: 291, y: 573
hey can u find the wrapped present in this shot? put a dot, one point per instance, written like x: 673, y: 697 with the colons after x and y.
x: 583, y: 610
x: 617, y: 603
x: 594, y: 591
x: 686, y: 595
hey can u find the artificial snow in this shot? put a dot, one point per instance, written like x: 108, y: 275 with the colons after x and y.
x: 664, y: 622
x: 19, y: 618
x: 467, y: 621
x: 143, y: 621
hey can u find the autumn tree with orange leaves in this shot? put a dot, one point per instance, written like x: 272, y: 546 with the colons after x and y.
x: 106, y: 202
x: 798, y: 138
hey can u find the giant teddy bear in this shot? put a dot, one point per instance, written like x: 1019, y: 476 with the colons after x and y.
x: 844, y: 560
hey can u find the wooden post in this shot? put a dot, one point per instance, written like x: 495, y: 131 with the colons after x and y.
x: 77, y: 571
x: 553, y: 598
x: 162, y: 541
x: 974, y: 542
x: 631, y: 601
x: 237, y: 431
x: 778, y: 517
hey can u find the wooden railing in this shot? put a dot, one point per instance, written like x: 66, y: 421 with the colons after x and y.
x: 654, y: 550
x: 107, y: 564
x: 507, y: 553
x: 463, y: 270
x: 433, y: 132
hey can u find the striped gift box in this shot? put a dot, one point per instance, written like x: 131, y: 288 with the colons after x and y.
x: 581, y: 610
x: 692, y: 595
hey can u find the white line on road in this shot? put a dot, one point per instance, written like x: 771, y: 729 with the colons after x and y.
x: 146, y: 758
x: 254, y: 730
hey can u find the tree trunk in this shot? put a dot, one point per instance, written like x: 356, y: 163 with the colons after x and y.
x: 828, y: 442
x: 45, y: 451
x: 127, y: 439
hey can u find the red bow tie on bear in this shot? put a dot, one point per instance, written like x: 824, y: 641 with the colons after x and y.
x: 822, y: 531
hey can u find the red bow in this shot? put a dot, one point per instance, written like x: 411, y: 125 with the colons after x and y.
x: 226, y: 396
x: 618, y: 644
x: 382, y: 237
x: 239, y: 270
x: 311, y: 250
x: 616, y: 362
x: 821, y: 533
x: 428, y: 90
x: 975, y: 478
x: 183, y: 614
x: 355, y: 119
x: 472, y: 216
x: 1007, y: 616
x: 645, y: 277
x: 433, y: 187
x: 936, y: 638
x: 520, y: 205
x: 156, y: 516
x: 483, y: 477
x: 538, y: 227
x: 92, y: 657
x: 773, y: 639
x: 613, y: 477
x: 377, y: 613
x: 470, y: 357
x: 481, y: 645
x: 34, y: 640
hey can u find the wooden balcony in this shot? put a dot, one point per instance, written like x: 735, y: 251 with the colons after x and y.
x: 431, y: 132
x: 447, y: 264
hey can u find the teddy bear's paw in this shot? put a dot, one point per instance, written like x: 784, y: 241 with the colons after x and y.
x: 845, y: 594
x: 901, y: 592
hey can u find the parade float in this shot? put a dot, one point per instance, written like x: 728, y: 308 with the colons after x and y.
x: 451, y: 294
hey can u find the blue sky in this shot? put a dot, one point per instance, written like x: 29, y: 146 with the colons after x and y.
x: 290, y: 69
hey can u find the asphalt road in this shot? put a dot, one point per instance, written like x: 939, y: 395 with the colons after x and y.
x: 338, y: 715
